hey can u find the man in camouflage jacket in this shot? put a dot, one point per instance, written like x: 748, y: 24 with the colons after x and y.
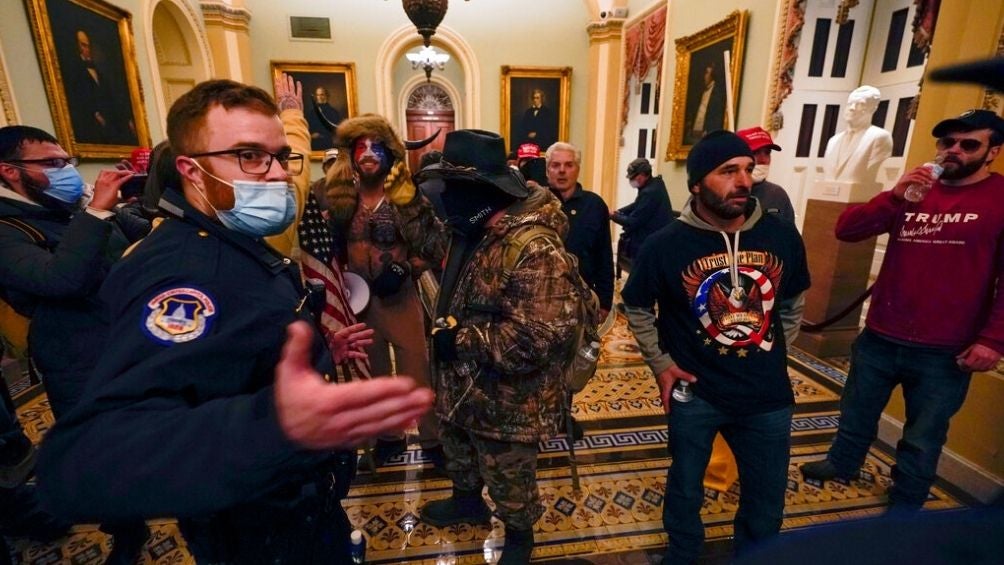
x: 499, y: 385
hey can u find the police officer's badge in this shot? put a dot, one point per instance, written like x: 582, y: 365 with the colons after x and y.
x: 178, y: 315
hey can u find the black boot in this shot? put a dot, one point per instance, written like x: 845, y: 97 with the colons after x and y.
x: 21, y: 516
x: 823, y: 470
x: 518, y: 547
x: 464, y: 507
x: 128, y: 540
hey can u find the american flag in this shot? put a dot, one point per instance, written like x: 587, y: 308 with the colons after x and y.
x: 317, y: 259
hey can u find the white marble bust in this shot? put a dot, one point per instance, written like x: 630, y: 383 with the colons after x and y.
x: 855, y: 154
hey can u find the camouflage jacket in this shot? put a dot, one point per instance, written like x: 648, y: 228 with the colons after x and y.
x: 514, y: 335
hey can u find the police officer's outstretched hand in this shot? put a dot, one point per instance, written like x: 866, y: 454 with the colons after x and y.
x: 321, y: 415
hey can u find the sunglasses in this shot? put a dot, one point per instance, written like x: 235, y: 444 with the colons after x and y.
x: 967, y: 145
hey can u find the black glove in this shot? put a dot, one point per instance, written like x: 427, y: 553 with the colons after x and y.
x: 390, y: 280
x: 444, y: 343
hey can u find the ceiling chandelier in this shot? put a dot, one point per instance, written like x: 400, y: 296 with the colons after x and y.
x: 428, y: 58
x: 426, y: 15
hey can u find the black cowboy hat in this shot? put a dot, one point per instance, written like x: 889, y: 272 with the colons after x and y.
x: 477, y: 155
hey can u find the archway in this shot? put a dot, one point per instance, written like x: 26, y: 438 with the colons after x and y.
x: 178, y: 51
x: 467, y: 106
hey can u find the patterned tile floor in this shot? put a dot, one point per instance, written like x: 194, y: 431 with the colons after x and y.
x: 614, y: 519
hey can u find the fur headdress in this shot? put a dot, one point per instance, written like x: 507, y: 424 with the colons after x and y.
x: 341, y: 190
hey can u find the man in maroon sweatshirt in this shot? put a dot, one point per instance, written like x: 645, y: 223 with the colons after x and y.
x: 937, y: 308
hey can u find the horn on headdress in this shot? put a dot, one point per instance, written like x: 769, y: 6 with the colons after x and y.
x: 413, y: 145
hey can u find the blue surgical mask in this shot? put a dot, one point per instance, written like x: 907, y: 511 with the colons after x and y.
x: 65, y: 185
x: 260, y: 208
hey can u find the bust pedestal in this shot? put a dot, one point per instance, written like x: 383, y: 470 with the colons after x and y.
x: 839, y: 270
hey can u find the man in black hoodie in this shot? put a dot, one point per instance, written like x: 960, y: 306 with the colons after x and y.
x: 728, y: 280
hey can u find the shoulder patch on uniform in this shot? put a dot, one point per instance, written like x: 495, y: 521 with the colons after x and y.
x: 178, y: 315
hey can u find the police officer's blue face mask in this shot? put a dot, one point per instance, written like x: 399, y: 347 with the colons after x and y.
x: 65, y: 184
x: 261, y: 208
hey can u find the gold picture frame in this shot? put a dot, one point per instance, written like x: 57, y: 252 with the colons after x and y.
x: 338, y: 80
x: 545, y: 125
x: 699, y: 103
x: 85, y: 49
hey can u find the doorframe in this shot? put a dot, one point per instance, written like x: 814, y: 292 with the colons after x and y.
x: 198, y: 45
x: 417, y: 80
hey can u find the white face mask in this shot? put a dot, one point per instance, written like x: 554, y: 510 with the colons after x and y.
x: 760, y: 173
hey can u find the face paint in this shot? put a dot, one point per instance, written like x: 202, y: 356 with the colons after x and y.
x: 371, y: 160
x: 368, y: 149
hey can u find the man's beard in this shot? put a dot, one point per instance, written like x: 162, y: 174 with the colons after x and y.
x: 37, y: 192
x: 719, y: 206
x: 374, y: 178
x: 965, y: 169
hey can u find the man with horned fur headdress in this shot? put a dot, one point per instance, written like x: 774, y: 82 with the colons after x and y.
x: 390, y: 235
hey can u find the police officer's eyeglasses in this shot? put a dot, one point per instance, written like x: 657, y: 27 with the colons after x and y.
x: 258, y: 161
x: 50, y: 163
x: 967, y: 145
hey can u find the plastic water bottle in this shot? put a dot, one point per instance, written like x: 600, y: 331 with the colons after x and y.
x: 587, y: 356
x: 682, y: 392
x: 917, y: 192
x: 357, y: 547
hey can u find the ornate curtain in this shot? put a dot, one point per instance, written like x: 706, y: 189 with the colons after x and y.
x: 643, y: 47
x: 794, y: 19
x: 923, y: 32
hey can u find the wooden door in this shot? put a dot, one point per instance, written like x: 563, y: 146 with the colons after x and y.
x: 422, y: 124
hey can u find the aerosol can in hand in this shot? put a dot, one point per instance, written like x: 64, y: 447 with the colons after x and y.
x: 682, y: 392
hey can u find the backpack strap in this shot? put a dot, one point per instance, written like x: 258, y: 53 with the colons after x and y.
x: 27, y: 229
x: 13, y: 325
x: 516, y: 241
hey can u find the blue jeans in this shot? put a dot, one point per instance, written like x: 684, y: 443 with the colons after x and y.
x: 934, y: 388
x: 761, y: 444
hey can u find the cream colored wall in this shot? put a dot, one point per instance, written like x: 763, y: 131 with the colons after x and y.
x: 690, y: 16
x: 499, y: 33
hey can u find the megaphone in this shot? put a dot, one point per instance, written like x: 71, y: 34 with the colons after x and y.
x: 357, y: 292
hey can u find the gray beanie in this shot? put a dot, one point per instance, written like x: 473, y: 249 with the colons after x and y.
x: 711, y: 151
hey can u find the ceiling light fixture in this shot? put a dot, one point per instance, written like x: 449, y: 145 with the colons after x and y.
x: 428, y: 58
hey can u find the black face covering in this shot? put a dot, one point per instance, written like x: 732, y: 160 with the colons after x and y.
x: 469, y: 204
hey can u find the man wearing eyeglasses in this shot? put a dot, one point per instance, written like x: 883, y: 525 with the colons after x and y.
x: 55, y: 249
x: 211, y: 403
x: 57, y: 244
x: 937, y: 307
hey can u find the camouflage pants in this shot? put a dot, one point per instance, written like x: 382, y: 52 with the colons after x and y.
x: 508, y: 468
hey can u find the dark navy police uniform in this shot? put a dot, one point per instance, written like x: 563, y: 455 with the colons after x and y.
x: 180, y: 420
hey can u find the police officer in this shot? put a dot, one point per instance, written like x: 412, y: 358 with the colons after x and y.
x: 197, y: 409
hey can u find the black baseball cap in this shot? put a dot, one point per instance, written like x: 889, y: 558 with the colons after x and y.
x: 968, y: 121
x: 639, y: 166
